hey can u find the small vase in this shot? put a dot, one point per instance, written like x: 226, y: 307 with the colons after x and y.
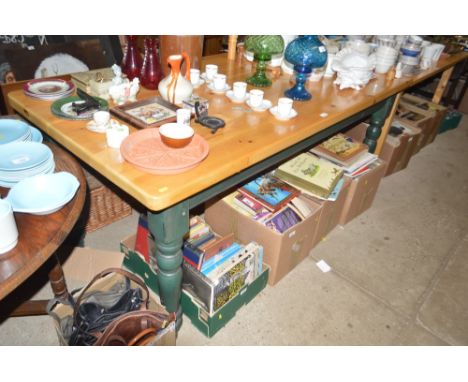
x: 151, y: 72
x: 176, y: 87
x: 305, y: 53
x: 263, y: 47
x: 131, y: 62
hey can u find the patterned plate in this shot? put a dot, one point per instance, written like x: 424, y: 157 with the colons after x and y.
x: 48, y: 88
x: 145, y: 150
x: 62, y: 108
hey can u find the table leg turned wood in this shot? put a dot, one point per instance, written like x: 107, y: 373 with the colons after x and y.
x: 168, y: 228
x: 376, y: 122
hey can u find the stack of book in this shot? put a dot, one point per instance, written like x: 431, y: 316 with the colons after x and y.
x: 312, y: 175
x: 349, y: 155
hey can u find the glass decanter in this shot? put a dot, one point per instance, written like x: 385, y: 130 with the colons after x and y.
x: 151, y: 72
x: 305, y: 53
x: 263, y: 47
x: 131, y: 62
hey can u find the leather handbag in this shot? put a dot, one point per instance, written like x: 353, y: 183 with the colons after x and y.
x: 117, y: 315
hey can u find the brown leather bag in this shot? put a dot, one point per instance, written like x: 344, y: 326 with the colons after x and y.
x: 138, y: 327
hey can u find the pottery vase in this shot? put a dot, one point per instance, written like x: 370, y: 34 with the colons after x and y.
x: 131, y: 62
x: 175, y: 87
x: 151, y: 72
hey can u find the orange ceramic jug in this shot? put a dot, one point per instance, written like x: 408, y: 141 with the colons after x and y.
x: 176, y: 87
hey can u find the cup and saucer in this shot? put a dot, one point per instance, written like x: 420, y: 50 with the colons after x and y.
x: 205, y: 78
x: 218, y: 91
x: 265, y: 105
x: 291, y: 115
x: 230, y: 95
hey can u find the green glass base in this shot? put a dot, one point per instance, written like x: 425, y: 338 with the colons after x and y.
x: 260, y: 81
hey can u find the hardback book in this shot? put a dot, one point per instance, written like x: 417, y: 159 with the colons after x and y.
x: 302, y: 207
x: 311, y: 173
x: 219, y: 258
x: 270, y: 191
x: 249, y: 204
x: 341, y: 148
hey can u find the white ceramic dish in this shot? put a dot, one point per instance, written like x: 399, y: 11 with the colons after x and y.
x: 230, y: 95
x: 266, y: 104
x: 43, y: 194
x: 92, y: 126
x: 274, y: 111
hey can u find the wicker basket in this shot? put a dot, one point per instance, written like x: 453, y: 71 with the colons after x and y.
x: 105, y: 205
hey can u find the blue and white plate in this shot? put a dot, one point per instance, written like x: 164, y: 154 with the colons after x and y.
x: 43, y: 194
x: 23, y: 155
x: 12, y: 130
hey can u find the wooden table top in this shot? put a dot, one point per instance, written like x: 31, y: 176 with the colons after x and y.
x: 248, y: 137
x: 40, y: 236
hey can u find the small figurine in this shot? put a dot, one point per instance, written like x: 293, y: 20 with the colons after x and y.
x: 122, y: 90
x: 117, y: 80
x: 134, y: 88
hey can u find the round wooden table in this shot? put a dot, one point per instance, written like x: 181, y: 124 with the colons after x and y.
x: 39, y: 238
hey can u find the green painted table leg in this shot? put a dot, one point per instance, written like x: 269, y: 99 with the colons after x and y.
x: 168, y: 228
x: 376, y: 122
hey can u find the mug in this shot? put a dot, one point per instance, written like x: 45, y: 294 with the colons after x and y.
x: 9, y: 231
x: 239, y: 89
x: 183, y: 116
x: 219, y: 81
x: 284, y: 106
x: 210, y: 71
x: 101, y: 118
x: 194, y: 76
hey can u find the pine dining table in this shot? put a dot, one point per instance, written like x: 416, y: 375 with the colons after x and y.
x: 251, y: 143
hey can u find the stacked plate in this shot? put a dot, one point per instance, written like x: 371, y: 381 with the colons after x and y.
x: 48, y: 89
x: 20, y: 160
x: 14, y: 130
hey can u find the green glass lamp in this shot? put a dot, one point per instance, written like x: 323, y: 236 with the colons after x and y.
x: 263, y: 47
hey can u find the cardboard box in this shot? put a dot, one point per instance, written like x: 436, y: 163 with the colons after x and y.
x: 396, y: 150
x: 434, y: 111
x: 85, y: 263
x: 208, y: 324
x: 412, y: 117
x: 282, y: 252
x: 361, y: 194
x: 330, y: 214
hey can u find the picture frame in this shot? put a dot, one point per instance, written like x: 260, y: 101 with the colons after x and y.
x: 147, y: 113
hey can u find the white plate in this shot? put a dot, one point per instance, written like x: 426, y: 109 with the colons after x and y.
x: 266, y: 104
x: 218, y: 91
x: 43, y: 194
x: 274, y: 111
x: 230, y: 95
x: 91, y: 125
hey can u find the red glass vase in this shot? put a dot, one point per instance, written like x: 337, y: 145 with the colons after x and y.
x: 151, y: 72
x: 131, y: 62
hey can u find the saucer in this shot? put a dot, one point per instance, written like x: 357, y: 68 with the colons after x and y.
x: 91, y: 125
x: 203, y: 76
x: 230, y: 95
x: 274, y: 111
x: 198, y: 84
x: 264, y: 106
x: 220, y: 91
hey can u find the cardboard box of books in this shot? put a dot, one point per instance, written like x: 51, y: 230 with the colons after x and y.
x: 434, y: 111
x: 193, y: 306
x: 412, y: 117
x: 286, y: 240
x: 362, y: 191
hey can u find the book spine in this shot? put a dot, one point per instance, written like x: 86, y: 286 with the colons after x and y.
x: 211, y: 263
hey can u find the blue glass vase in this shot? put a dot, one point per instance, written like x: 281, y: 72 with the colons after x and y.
x: 305, y: 53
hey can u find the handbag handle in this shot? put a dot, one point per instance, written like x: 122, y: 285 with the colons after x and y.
x: 143, y: 338
x: 104, y: 273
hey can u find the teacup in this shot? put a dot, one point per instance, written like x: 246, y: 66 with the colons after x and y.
x: 194, y: 76
x: 183, y: 116
x: 211, y: 70
x: 256, y: 97
x: 219, y: 81
x: 284, y: 106
x: 239, y: 89
x: 101, y: 118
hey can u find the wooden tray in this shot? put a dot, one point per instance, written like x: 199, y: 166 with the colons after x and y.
x: 145, y: 150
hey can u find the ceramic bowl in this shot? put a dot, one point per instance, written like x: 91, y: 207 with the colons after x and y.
x: 176, y: 135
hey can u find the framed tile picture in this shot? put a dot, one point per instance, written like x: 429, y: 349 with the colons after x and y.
x: 151, y: 112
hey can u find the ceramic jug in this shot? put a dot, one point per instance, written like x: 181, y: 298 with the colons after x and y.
x: 176, y: 87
